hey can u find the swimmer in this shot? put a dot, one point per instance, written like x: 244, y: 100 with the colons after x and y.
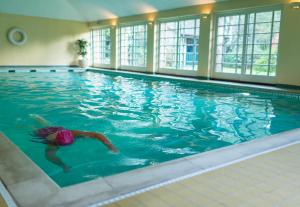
x: 55, y: 136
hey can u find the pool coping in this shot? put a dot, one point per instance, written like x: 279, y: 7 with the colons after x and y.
x: 18, y: 172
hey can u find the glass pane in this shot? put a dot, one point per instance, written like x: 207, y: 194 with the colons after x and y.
x: 262, y: 49
x: 275, y: 38
x: 251, y: 18
x: 273, y: 60
x: 276, y: 27
x: 219, y: 67
x: 229, y: 68
x: 277, y: 16
x: 272, y: 70
x: 221, y: 21
x: 264, y: 17
x: 260, y: 70
x: 274, y: 50
x: 262, y: 39
x: 263, y: 27
x: 232, y: 20
x: 261, y: 59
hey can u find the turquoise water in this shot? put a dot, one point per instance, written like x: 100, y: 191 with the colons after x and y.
x: 149, y: 120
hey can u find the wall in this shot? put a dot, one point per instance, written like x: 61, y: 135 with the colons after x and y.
x: 289, y: 48
x: 50, y: 42
x: 288, y: 71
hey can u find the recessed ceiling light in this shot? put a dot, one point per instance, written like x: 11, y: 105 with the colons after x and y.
x: 295, y: 5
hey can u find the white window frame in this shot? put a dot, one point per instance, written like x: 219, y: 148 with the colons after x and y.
x: 100, y: 64
x: 128, y: 67
x: 243, y: 77
x: 176, y: 71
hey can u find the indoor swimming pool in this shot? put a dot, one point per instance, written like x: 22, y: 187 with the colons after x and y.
x: 149, y: 119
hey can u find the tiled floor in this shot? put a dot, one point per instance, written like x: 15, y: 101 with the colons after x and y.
x: 269, y: 180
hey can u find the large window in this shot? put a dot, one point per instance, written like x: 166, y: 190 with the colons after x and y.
x: 247, y: 43
x: 179, y: 44
x: 101, y: 46
x: 133, y: 45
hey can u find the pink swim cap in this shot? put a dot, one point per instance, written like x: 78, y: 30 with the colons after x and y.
x: 64, y: 137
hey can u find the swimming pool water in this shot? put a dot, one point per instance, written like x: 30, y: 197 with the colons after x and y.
x: 150, y: 120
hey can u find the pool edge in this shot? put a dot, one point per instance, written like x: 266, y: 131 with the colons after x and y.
x: 109, y: 189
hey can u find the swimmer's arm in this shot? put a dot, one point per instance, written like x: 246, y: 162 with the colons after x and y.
x: 50, y: 154
x: 95, y: 135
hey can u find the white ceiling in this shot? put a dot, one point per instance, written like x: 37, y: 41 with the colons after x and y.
x: 91, y: 10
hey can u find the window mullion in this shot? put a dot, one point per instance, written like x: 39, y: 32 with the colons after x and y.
x: 271, y: 38
x: 177, y: 46
x: 223, y: 45
x: 194, y: 44
x: 93, y: 44
x: 237, y: 45
x: 244, y: 53
x: 100, y: 47
x: 158, y: 48
x: 133, y: 45
x: 145, y: 44
x: 253, y: 39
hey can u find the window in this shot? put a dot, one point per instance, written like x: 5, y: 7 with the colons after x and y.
x: 178, y: 44
x: 101, y: 46
x: 248, y: 43
x: 133, y: 45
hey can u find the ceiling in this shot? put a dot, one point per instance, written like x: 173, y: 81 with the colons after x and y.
x: 91, y: 10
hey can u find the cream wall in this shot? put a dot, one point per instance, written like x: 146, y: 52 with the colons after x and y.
x: 289, y: 48
x: 288, y: 71
x: 50, y: 42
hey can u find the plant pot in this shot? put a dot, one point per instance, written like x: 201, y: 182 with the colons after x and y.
x: 83, y: 63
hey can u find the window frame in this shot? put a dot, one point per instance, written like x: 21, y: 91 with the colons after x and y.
x: 243, y: 76
x: 92, y: 47
x: 119, y: 50
x: 176, y: 71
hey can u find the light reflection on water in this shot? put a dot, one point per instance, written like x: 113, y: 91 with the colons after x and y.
x: 150, y: 121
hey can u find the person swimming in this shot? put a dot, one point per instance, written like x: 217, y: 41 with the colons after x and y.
x: 61, y: 136
x: 55, y: 136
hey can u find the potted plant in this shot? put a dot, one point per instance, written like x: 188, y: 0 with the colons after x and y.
x: 82, y: 52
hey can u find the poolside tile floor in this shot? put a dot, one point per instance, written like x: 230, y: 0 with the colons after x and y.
x: 272, y: 179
